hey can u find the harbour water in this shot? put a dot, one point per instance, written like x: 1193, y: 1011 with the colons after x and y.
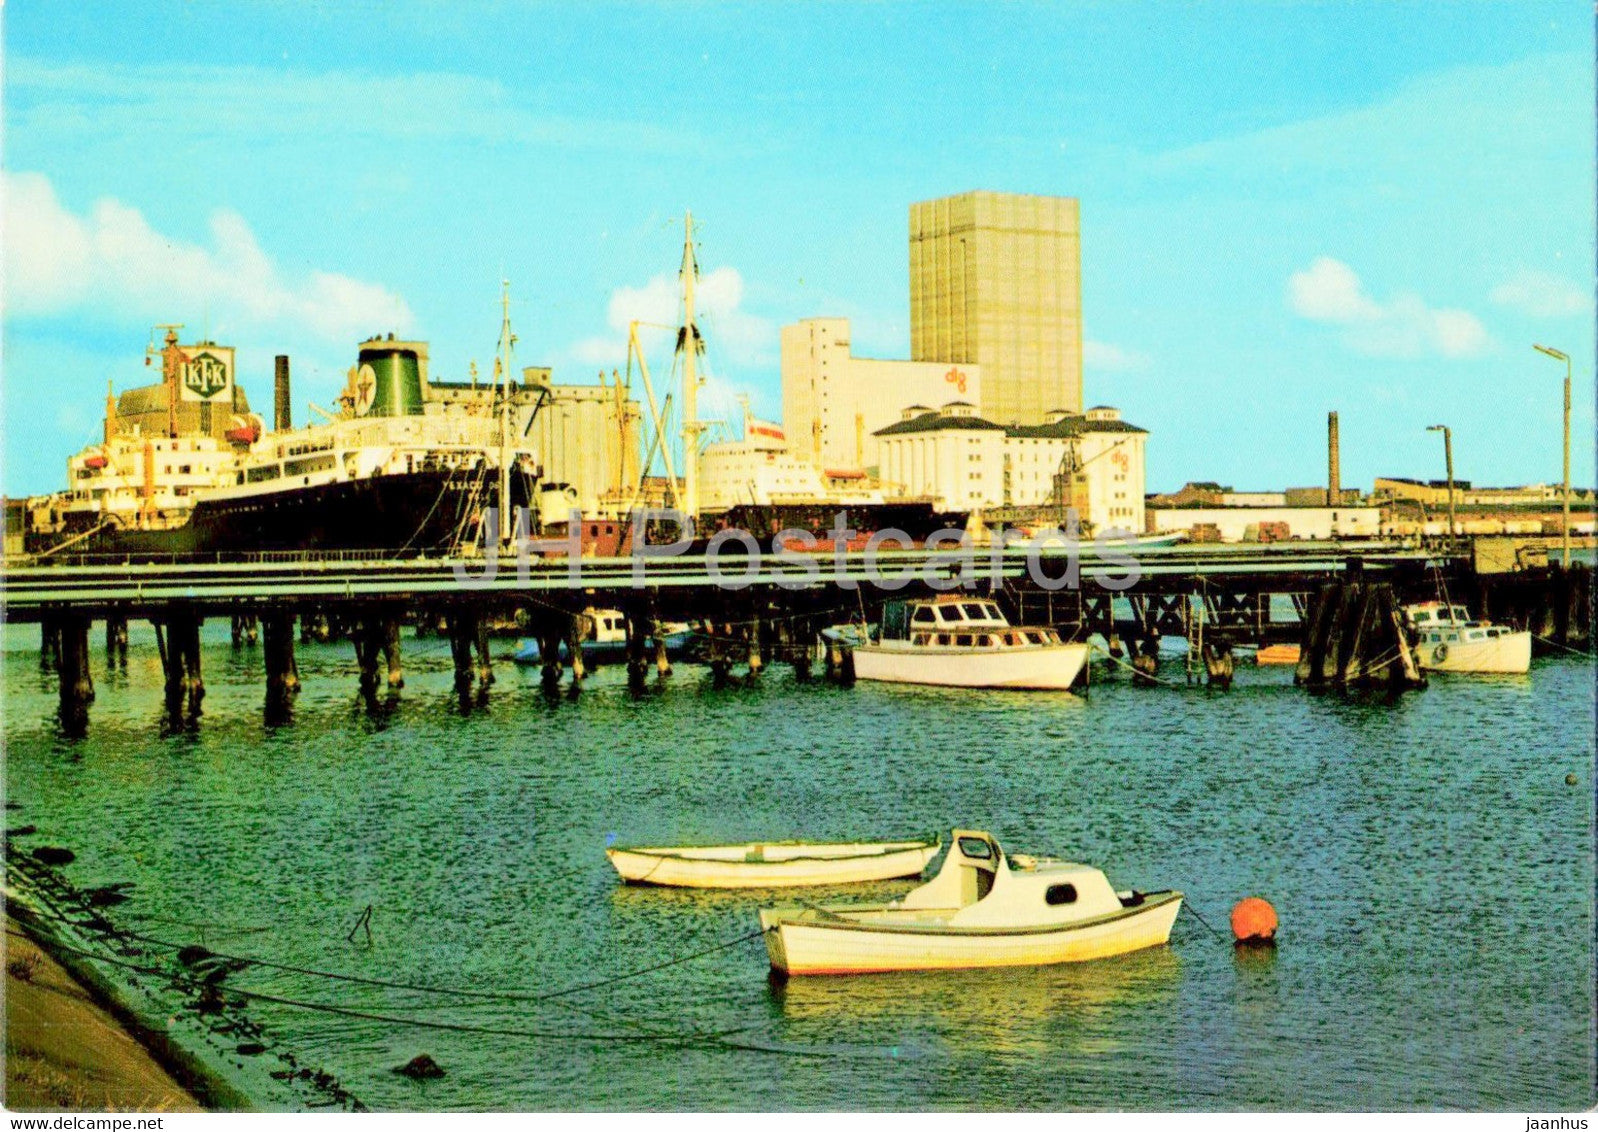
x: 1433, y: 871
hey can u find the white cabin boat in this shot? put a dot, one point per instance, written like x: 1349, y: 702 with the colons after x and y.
x: 980, y: 910
x: 773, y: 864
x: 1449, y: 641
x: 966, y: 642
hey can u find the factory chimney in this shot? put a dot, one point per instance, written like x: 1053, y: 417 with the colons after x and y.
x: 281, y: 412
x: 1334, y: 494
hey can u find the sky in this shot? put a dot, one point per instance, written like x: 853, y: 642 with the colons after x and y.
x: 1286, y: 208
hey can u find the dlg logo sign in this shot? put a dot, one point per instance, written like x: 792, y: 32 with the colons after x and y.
x: 956, y: 378
x: 205, y: 377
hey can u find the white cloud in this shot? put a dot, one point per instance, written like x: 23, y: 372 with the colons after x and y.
x: 1111, y: 358
x: 1541, y: 295
x: 731, y: 333
x: 111, y: 260
x: 1329, y: 291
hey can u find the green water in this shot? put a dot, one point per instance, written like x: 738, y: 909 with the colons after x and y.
x: 1433, y: 873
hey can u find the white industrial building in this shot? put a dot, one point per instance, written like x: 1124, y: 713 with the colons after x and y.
x: 1266, y: 524
x: 1091, y: 461
x: 834, y: 404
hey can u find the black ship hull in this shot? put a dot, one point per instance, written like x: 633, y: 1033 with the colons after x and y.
x: 431, y: 512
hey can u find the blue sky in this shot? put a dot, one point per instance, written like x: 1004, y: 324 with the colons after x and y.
x: 1286, y: 208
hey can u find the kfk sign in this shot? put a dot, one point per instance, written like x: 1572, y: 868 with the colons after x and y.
x: 207, y: 374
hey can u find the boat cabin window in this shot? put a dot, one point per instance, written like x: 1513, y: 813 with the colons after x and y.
x: 950, y: 613
x: 1060, y: 894
x: 943, y: 638
x: 1423, y: 615
x: 976, y: 848
x: 924, y: 616
x: 963, y: 640
x: 975, y: 612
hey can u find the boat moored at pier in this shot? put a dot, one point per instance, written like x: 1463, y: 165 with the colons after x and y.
x: 966, y: 642
x: 1447, y: 640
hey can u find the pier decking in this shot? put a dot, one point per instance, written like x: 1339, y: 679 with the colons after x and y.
x: 752, y: 608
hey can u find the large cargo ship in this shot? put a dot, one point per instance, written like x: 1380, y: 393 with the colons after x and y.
x: 399, y: 469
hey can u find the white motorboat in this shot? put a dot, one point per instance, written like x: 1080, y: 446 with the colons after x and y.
x: 965, y: 642
x: 980, y: 910
x: 773, y: 864
x: 1447, y: 640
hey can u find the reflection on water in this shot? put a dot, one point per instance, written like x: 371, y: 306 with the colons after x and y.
x: 1432, y: 871
x: 1069, y: 1008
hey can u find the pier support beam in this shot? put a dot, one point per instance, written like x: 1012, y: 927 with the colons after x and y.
x: 637, y: 627
x: 245, y: 631
x: 657, y: 632
x: 282, y: 674
x: 720, y: 648
x: 367, y: 637
x: 576, y: 631
x: 1219, y: 666
x: 1355, y: 637
x: 485, y: 663
x: 461, y: 625
x: 548, y: 630
x: 391, y: 653
x: 77, y: 685
x: 116, y: 641
x: 752, y: 634
x: 49, y: 646
x: 179, y: 642
x: 662, y: 659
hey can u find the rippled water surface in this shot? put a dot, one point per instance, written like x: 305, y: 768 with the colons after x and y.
x: 1432, y: 870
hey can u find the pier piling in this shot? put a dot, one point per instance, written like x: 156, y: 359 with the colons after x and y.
x: 462, y: 628
x: 179, y: 643
x: 547, y: 630
x: 49, y: 645
x: 391, y: 653
x: 282, y: 675
x: 636, y: 625
x: 368, y: 637
x: 757, y: 660
x: 116, y: 641
x: 576, y: 630
x: 1354, y: 637
x: 245, y: 631
x: 77, y: 686
x: 1218, y: 663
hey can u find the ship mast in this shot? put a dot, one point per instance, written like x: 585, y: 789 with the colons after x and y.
x: 689, y: 343
x: 172, y: 360
x: 502, y: 363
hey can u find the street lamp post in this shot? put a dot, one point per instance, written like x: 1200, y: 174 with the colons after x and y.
x: 1561, y: 356
x: 1448, y: 456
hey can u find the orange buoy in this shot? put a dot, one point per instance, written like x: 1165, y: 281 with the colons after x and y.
x: 1254, y: 921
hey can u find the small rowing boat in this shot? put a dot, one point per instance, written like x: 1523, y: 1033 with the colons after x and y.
x: 980, y: 910
x: 773, y: 864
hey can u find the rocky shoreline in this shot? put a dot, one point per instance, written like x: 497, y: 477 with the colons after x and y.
x: 176, y: 1005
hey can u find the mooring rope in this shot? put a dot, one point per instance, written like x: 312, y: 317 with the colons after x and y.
x: 1135, y: 671
x: 1558, y: 645
x: 687, y: 1039
x: 461, y: 992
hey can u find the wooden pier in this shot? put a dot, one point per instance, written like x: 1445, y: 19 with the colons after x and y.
x: 1338, y: 600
